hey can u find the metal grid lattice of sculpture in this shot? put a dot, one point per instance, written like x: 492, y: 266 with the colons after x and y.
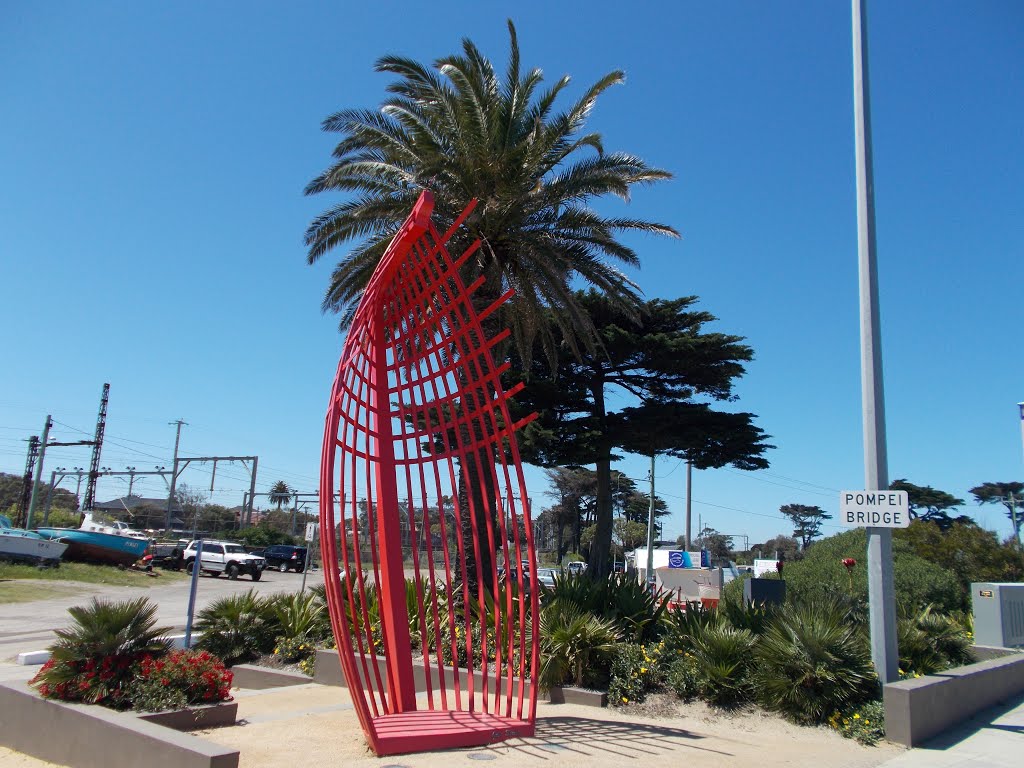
x: 429, y: 563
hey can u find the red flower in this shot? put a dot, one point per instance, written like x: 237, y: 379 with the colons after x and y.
x: 849, y: 562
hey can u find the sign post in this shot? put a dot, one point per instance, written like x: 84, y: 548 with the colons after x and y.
x: 311, y: 531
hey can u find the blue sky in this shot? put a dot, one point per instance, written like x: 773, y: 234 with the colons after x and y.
x: 151, y: 216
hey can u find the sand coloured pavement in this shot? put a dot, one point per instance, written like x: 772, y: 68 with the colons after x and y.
x: 316, y: 725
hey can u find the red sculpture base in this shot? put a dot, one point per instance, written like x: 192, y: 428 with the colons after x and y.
x: 423, y: 730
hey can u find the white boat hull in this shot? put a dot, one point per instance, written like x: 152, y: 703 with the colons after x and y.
x: 22, y: 546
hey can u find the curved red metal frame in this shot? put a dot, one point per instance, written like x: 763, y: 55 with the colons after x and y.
x: 416, y: 408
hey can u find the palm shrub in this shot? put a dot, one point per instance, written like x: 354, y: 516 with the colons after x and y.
x: 237, y: 628
x: 755, y: 618
x: 92, y: 660
x: 931, y: 642
x: 639, y: 613
x: 813, y: 662
x: 722, y: 656
x: 300, y: 615
x: 576, y: 646
x: 683, y: 625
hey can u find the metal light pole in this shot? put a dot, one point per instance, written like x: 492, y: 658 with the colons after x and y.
x: 650, y: 533
x: 882, y: 603
x: 689, y: 504
x: 1021, y: 406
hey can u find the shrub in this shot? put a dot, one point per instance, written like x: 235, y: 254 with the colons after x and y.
x: 683, y: 677
x: 866, y: 723
x: 92, y: 659
x: 178, y: 679
x: 723, y: 659
x: 301, y: 615
x: 635, y: 672
x: 812, y: 661
x: 299, y: 650
x: 237, y: 628
x: 821, y: 575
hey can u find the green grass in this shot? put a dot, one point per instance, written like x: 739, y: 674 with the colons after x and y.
x: 89, y: 574
x: 26, y: 591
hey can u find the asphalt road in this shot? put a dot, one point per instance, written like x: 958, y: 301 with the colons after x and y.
x: 29, y: 626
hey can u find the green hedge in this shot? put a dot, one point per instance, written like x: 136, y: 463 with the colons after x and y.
x: 821, y: 575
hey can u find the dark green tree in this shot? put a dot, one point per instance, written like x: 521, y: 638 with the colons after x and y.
x: 280, y: 494
x: 806, y: 521
x: 1010, y: 495
x: 717, y: 544
x: 927, y: 503
x: 781, y: 547
x: 662, y: 361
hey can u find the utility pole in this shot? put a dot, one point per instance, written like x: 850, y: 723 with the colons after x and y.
x: 26, y: 488
x: 97, y: 446
x: 689, y: 503
x: 881, y: 600
x: 650, y: 533
x: 131, y: 480
x: 174, y: 473
x: 39, y: 471
x: 252, y: 490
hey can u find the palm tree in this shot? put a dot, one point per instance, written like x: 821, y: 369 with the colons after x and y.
x: 462, y: 132
x: 280, y: 493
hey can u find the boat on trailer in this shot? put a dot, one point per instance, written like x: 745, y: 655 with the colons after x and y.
x: 97, y: 542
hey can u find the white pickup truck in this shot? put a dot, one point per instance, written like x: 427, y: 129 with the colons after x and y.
x: 224, y: 557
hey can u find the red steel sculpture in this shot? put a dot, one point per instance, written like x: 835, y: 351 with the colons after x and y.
x: 449, y: 657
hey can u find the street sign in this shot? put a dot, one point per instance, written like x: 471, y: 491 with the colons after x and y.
x: 676, y: 560
x: 311, y: 530
x: 874, y: 509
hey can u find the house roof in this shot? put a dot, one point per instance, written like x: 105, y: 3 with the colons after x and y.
x: 131, y: 502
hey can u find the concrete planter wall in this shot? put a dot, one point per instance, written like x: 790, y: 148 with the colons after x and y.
x: 564, y: 694
x: 259, y: 678
x: 918, y: 709
x: 89, y: 736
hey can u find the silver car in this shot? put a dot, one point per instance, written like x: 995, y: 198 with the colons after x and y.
x: 546, y: 577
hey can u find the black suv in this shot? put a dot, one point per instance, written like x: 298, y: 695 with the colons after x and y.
x: 285, y: 557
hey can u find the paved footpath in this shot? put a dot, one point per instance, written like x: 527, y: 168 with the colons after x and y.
x: 992, y: 739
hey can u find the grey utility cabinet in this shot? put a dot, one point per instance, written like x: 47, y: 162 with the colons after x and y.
x: 998, y: 614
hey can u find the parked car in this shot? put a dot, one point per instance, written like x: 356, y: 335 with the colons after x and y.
x: 168, y: 556
x: 285, y: 557
x: 576, y: 567
x: 224, y: 557
x: 546, y: 577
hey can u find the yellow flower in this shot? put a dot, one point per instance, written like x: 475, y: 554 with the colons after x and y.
x: 856, y: 717
x: 867, y: 722
x: 277, y: 650
x: 625, y: 700
x: 643, y: 670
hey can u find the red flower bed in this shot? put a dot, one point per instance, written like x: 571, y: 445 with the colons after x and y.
x: 146, y: 681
